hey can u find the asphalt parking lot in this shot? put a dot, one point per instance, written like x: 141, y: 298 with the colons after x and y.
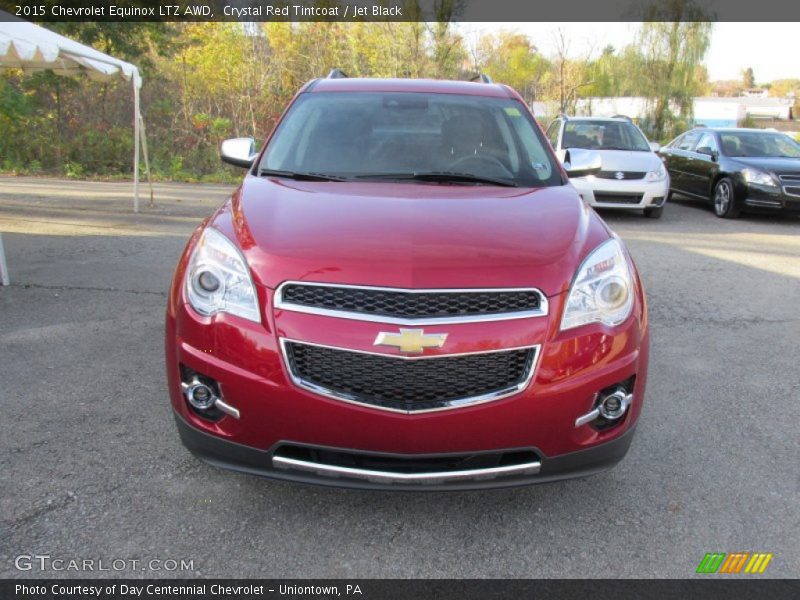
x: 91, y: 465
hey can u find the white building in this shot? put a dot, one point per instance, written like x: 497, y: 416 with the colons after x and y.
x: 711, y: 110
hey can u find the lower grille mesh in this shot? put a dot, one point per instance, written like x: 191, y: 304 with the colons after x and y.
x: 408, y: 385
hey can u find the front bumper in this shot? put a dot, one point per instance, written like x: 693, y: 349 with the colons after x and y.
x: 245, y: 359
x: 624, y: 194
x: 769, y: 198
x: 254, y: 461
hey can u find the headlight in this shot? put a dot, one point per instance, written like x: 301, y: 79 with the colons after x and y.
x: 659, y: 174
x: 758, y: 177
x: 602, y: 290
x: 218, y: 279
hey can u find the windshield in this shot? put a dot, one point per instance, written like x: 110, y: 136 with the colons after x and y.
x: 604, y: 135
x: 756, y: 143
x: 386, y: 135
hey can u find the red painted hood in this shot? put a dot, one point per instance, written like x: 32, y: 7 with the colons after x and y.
x: 410, y: 235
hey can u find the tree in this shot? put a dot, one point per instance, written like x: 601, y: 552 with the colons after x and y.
x: 673, y: 42
x: 748, y: 78
x: 511, y: 58
x: 570, y: 75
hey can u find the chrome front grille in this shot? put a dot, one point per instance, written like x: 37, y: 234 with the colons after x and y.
x: 406, y: 306
x: 791, y: 184
x: 409, y: 384
x: 626, y: 175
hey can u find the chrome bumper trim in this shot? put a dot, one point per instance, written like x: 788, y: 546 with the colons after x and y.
x: 764, y: 203
x: 282, y: 462
x: 588, y: 417
x: 227, y: 408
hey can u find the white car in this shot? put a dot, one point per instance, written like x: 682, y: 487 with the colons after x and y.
x: 632, y: 176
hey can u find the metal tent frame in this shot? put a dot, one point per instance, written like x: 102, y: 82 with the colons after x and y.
x: 31, y: 48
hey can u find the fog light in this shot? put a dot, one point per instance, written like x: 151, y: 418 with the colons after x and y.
x: 614, y: 405
x: 199, y: 395
x: 204, y: 395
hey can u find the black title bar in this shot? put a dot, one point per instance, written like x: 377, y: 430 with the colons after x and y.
x: 375, y: 589
x: 402, y: 10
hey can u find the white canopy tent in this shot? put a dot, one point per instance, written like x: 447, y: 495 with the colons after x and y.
x: 32, y: 48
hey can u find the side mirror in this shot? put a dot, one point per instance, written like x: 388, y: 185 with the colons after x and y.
x: 655, y: 146
x: 713, y: 154
x: 580, y: 163
x: 239, y: 152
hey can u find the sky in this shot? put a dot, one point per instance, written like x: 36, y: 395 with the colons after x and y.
x: 734, y: 46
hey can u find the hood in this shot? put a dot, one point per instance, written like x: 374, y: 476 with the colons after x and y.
x: 410, y: 235
x: 782, y: 166
x: 624, y: 160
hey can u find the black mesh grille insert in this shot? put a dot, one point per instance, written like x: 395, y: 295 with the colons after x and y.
x: 409, y: 305
x: 408, y: 384
x: 617, y: 198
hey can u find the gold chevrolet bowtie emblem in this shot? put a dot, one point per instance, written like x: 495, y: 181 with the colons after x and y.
x: 411, y: 341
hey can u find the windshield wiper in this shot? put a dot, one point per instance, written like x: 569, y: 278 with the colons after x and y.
x: 300, y: 176
x: 440, y: 177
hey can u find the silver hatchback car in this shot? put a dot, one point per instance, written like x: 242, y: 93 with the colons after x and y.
x: 633, y: 175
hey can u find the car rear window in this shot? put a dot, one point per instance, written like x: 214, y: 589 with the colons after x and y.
x: 358, y: 134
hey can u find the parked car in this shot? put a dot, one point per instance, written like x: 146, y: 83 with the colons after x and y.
x: 632, y: 177
x: 406, y: 293
x: 736, y: 169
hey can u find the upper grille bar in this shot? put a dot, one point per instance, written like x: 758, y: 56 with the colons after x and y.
x: 403, y: 306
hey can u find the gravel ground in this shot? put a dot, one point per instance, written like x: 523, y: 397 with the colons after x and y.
x: 92, y: 466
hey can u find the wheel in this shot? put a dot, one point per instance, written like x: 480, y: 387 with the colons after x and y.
x: 654, y: 212
x: 724, y: 204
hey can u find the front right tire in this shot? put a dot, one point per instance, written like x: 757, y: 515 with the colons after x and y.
x: 724, y: 200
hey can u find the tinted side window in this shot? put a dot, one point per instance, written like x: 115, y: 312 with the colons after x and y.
x: 552, y: 132
x: 707, y: 141
x: 689, y: 141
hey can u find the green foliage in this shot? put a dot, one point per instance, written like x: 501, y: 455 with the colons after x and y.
x: 205, y: 82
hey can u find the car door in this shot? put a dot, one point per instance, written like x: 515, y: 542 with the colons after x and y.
x: 703, y: 165
x: 677, y: 156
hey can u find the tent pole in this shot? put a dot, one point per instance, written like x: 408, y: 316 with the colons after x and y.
x: 136, y: 118
x: 4, y: 278
x: 143, y: 131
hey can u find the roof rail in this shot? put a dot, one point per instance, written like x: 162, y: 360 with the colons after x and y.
x: 337, y: 74
x: 626, y: 117
x: 482, y: 78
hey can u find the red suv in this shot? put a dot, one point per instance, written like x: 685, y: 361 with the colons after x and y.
x: 407, y: 293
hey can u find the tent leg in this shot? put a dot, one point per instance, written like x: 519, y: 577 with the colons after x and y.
x: 136, y: 118
x: 143, y: 131
x: 4, y: 278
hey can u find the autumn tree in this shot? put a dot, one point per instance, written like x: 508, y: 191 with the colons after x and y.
x: 511, y: 58
x: 673, y: 41
x: 748, y: 78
